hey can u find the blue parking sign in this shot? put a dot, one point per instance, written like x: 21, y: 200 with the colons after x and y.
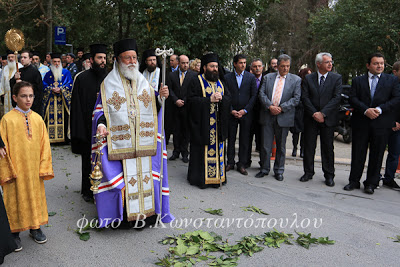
x: 60, y: 35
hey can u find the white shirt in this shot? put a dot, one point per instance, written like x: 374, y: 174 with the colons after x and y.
x: 320, y: 75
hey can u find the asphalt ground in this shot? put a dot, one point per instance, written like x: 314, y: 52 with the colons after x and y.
x: 360, y: 224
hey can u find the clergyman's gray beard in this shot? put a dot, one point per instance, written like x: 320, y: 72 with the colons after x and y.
x: 57, y: 72
x: 12, y: 66
x: 85, y: 66
x: 129, y: 73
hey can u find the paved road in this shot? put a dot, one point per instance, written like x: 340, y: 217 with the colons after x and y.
x: 359, y: 223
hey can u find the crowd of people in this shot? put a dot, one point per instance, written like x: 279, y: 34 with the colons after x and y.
x: 68, y: 99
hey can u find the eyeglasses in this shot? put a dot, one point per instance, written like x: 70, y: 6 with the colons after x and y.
x: 27, y: 96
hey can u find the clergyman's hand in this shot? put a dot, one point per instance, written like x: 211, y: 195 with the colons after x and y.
x: 164, y: 92
x: 102, y: 131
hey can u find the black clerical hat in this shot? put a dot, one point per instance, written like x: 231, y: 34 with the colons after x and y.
x: 35, y: 53
x: 55, y: 55
x: 149, y: 53
x: 207, y: 58
x: 86, y: 56
x: 4, y: 57
x: 124, y: 45
x: 9, y: 52
x: 98, y: 48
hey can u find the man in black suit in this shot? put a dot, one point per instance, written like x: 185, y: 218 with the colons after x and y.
x: 256, y: 68
x: 243, y: 88
x: 321, y: 93
x: 178, y: 87
x: 374, y: 97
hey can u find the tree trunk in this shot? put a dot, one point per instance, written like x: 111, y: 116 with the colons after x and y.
x: 49, y: 45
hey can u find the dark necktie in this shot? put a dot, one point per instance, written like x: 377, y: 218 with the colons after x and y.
x: 321, y: 83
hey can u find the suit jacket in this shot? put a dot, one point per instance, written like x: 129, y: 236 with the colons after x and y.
x: 290, y: 99
x: 176, y: 90
x: 326, y: 101
x: 245, y: 96
x: 387, y: 97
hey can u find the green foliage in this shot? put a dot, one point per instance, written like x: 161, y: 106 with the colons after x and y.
x: 353, y: 29
x: 193, y: 247
x: 396, y: 239
x: 214, y: 212
x: 254, y: 209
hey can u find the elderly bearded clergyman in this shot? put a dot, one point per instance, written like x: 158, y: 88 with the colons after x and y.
x: 57, y: 84
x: 126, y: 112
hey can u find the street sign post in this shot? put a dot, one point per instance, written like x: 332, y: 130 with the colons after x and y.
x: 60, y: 35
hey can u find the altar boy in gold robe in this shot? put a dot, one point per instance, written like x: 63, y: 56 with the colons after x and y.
x: 26, y: 165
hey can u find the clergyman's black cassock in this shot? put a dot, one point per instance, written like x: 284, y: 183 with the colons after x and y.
x: 199, y: 127
x: 7, y: 243
x: 84, y: 95
x: 32, y: 75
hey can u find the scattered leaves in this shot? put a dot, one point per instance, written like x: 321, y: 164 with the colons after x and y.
x: 214, y: 212
x: 396, y: 239
x: 68, y: 174
x: 52, y: 213
x: 185, y: 197
x: 192, y: 247
x: 254, y: 209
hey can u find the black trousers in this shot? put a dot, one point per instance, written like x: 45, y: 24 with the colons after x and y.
x: 244, y: 139
x: 181, y: 133
x: 376, y: 139
x: 255, y: 131
x: 311, y: 130
x: 86, y: 170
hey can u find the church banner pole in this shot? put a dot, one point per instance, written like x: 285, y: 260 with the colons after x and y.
x: 163, y: 53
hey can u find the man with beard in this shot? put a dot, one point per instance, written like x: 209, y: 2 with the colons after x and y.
x: 179, y: 82
x: 79, y: 61
x: 8, y: 73
x: 30, y: 74
x: 57, y: 86
x: 209, y: 104
x: 40, y: 67
x: 84, y: 94
x: 150, y: 70
x: 71, y: 66
x: 85, y: 61
x: 132, y: 153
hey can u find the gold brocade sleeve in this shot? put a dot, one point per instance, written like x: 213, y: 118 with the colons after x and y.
x: 7, y: 171
x: 46, y: 167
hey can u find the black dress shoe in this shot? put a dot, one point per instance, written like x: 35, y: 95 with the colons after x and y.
x: 229, y: 167
x: 329, y: 182
x: 242, y: 170
x: 369, y: 189
x: 279, y: 177
x: 185, y: 159
x: 294, y: 153
x: 261, y: 174
x: 305, y: 178
x: 87, y: 198
x: 301, y: 154
x: 38, y: 236
x: 391, y: 184
x: 351, y: 186
x: 174, y: 157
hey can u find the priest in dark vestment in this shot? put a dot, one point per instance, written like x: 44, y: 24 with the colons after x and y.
x: 84, y: 94
x: 30, y: 74
x: 209, y: 103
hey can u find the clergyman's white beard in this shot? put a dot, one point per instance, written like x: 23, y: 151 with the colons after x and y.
x: 57, y: 72
x: 129, y: 71
x: 12, y: 65
x: 85, y: 66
